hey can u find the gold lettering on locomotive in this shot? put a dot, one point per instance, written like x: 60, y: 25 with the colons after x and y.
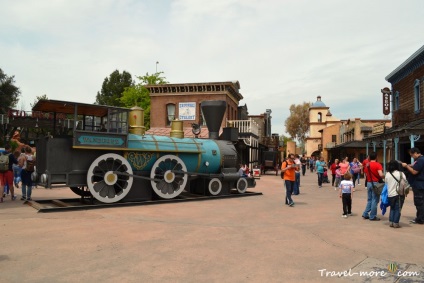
x: 139, y: 160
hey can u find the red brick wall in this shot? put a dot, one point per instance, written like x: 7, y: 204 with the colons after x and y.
x: 158, y: 114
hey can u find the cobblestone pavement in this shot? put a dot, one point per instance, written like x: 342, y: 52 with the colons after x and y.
x: 252, y: 239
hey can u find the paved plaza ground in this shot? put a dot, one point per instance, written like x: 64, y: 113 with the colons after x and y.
x: 250, y: 239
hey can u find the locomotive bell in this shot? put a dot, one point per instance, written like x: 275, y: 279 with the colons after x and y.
x: 136, y: 121
x: 213, y: 111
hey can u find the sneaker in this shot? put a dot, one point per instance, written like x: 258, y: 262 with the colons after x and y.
x: 396, y: 225
x: 359, y: 184
x: 344, y: 216
x: 375, y: 219
x: 291, y: 204
x: 350, y: 214
x: 320, y: 186
x: 391, y: 224
x: 365, y: 217
x: 31, y: 199
x: 14, y: 197
x: 23, y: 198
x: 415, y: 222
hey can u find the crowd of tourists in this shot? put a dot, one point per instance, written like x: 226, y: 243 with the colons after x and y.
x: 16, y: 171
x: 390, y: 188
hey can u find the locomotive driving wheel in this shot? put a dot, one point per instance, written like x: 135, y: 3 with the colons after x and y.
x: 215, y: 186
x: 241, y: 185
x: 104, y: 184
x: 169, y: 176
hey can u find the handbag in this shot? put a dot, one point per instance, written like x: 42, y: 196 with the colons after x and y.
x: 378, y: 188
x: 356, y: 168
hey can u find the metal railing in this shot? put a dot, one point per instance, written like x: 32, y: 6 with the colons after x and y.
x: 246, y: 126
x: 330, y: 144
x: 4, y: 119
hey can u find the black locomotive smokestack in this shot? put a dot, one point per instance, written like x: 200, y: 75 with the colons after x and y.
x: 213, y: 112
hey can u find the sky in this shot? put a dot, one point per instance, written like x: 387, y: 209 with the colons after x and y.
x: 281, y: 52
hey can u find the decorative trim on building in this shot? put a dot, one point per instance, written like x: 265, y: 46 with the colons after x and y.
x: 196, y: 88
x: 415, y: 61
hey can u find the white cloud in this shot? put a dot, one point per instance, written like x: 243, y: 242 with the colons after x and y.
x: 281, y: 52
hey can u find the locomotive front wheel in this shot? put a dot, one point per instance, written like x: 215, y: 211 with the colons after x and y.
x: 241, y: 185
x: 169, y: 176
x: 215, y: 186
x: 105, y: 185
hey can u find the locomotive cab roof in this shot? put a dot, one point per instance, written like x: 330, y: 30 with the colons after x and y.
x: 76, y: 119
x: 68, y: 107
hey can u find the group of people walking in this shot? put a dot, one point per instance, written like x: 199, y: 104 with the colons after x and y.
x: 18, y: 167
x: 346, y: 175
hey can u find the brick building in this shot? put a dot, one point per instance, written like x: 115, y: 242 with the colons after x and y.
x: 182, y: 101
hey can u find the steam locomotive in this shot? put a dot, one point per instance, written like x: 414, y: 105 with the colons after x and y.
x: 104, y: 152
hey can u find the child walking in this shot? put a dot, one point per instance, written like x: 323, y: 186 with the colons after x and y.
x: 338, y: 178
x: 346, y: 194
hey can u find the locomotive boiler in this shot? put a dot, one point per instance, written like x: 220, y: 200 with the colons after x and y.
x: 104, y: 152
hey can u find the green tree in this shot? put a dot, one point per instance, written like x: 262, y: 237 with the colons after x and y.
x: 9, y: 93
x: 44, y: 97
x: 297, y: 124
x: 138, y: 94
x: 113, y: 87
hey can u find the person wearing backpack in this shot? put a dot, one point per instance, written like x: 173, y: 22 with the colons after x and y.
x: 6, y: 171
x: 27, y: 170
x: 396, y: 193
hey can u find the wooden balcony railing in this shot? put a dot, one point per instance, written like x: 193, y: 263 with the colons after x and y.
x: 246, y: 126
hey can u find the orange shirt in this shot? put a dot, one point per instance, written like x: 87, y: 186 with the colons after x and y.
x: 289, y: 174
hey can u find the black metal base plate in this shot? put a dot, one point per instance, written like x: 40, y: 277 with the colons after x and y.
x: 86, y: 203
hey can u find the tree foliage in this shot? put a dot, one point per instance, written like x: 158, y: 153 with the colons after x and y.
x: 44, y: 97
x: 113, y: 88
x: 9, y: 92
x: 138, y: 94
x: 297, y: 124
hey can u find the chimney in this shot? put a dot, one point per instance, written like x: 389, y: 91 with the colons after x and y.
x: 213, y: 112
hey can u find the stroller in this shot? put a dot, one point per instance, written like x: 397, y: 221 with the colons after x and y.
x: 325, y: 177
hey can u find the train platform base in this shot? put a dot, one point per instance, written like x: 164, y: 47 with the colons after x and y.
x: 69, y: 204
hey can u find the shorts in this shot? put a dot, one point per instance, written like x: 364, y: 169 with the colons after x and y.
x: 6, y: 178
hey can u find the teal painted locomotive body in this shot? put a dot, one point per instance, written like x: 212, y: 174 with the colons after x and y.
x: 199, y: 155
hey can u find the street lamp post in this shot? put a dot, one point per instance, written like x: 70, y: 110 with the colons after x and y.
x: 157, y: 62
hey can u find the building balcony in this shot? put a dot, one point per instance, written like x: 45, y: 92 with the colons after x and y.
x: 330, y: 145
x: 245, y: 127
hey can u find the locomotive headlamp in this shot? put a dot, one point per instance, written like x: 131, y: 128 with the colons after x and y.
x: 206, y: 163
x: 195, y: 129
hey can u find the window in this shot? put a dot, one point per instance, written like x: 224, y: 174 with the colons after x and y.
x: 170, y: 112
x: 417, y: 96
x: 319, y: 117
x: 202, y: 121
x: 396, y: 101
x: 333, y: 138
